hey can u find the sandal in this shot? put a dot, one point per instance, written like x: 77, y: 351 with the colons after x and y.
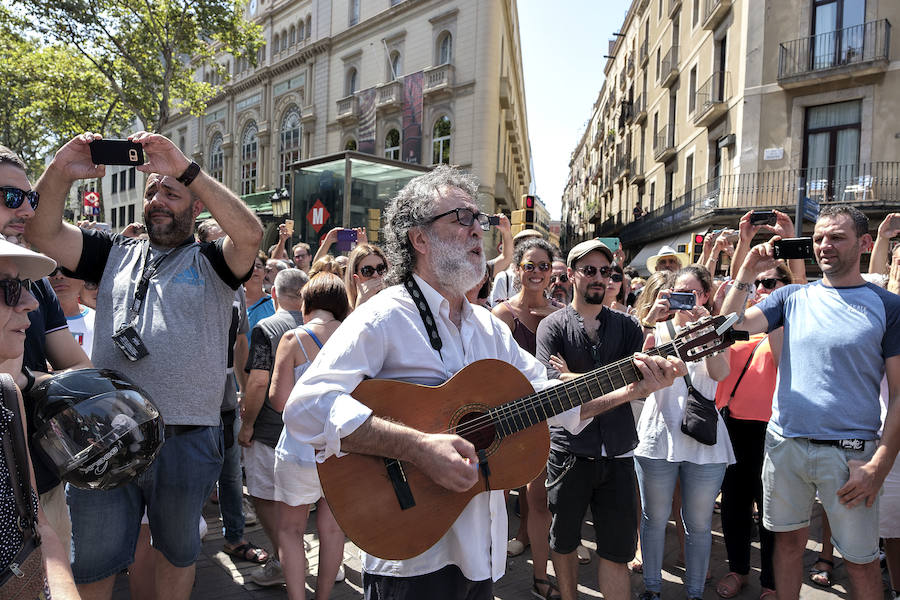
x: 552, y: 592
x: 636, y: 566
x: 731, y: 585
x: 821, y: 577
x: 248, y: 551
x: 767, y: 594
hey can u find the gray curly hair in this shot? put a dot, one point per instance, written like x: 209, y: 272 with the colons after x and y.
x: 412, y: 207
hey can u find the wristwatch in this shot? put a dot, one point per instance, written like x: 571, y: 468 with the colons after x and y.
x: 647, y: 324
x: 189, y: 174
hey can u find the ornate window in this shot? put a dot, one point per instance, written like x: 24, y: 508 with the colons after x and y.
x: 301, y: 31
x: 351, y: 82
x: 395, y: 65
x: 445, y: 48
x: 217, y: 159
x: 293, y: 38
x: 441, y: 141
x: 308, y: 25
x: 350, y: 145
x: 249, y: 156
x: 291, y: 134
x: 392, y: 145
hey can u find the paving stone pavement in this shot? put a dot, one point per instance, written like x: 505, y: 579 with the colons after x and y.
x: 220, y: 577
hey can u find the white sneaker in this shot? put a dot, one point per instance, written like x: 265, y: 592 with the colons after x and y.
x: 267, y: 575
x: 250, y: 517
x: 340, y: 575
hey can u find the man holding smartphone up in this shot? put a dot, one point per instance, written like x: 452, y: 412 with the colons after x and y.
x: 148, y: 327
x: 841, y: 336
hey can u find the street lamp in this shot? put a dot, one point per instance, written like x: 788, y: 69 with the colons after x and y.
x: 281, y: 202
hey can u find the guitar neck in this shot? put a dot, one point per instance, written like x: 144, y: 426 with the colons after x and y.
x: 520, y: 414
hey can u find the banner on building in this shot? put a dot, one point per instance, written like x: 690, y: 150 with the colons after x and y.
x: 366, y: 130
x: 413, y: 109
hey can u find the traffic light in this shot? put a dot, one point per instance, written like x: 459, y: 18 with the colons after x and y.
x: 518, y: 217
x: 697, y: 247
x: 528, y: 201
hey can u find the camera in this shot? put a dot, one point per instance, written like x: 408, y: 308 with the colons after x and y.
x: 763, y: 217
x: 682, y: 301
x: 790, y: 248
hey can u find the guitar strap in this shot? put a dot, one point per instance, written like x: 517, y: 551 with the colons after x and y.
x: 435, y: 338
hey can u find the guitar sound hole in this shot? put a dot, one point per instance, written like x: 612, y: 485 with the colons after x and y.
x: 478, y: 429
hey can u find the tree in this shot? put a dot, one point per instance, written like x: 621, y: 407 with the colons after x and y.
x: 149, y: 50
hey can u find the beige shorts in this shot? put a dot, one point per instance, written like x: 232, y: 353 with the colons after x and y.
x: 259, y: 466
x: 296, y: 483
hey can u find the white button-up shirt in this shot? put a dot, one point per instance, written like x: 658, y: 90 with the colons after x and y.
x: 385, y: 338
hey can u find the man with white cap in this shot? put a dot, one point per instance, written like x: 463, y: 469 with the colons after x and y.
x: 667, y: 259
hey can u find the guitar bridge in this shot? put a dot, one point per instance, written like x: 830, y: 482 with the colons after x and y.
x: 400, y: 483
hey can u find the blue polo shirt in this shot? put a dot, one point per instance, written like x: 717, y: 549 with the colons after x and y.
x: 835, y: 343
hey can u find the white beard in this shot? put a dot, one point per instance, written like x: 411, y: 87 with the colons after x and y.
x: 452, y: 266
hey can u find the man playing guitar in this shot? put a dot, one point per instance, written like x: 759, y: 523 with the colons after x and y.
x: 424, y: 331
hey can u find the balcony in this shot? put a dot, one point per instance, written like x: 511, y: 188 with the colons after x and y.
x: 835, y: 55
x: 389, y: 96
x: 664, y: 144
x: 643, y: 54
x: 438, y: 81
x: 640, y: 109
x: 623, y: 166
x: 347, y: 110
x: 668, y: 68
x: 505, y: 93
x: 636, y: 172
x: 622, y: 80
x: 610, y: 226
x: 674, y: 6
x: 710, y: 101
x: 714, y: 11
x: 626, y: 116
x: 872, y: 187
x: 629, y: 64
x: 308, y: 115
x: 597, y: 137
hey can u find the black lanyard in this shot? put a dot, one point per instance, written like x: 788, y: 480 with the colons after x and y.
x: 148, y: 271
x: 425, y: 312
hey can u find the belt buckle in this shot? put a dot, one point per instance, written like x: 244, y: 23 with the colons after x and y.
x: 856, y: 445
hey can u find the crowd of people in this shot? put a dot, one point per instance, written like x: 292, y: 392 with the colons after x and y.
x: 252, y: 359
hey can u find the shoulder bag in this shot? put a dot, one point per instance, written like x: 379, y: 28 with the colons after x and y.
x: 700, y: 420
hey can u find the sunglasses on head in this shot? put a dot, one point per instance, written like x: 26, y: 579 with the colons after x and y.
x: 591, y: 270
x: 13, y: 197
x: 529, y: 266
x: 768, y: 283
x: 12, y: 290
x: 369, y: 270
x: 560, y: 278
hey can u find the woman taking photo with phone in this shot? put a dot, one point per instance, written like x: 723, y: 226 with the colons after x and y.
x: 364, y: 275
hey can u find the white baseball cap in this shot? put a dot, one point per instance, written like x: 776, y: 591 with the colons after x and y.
x: 31, y: 264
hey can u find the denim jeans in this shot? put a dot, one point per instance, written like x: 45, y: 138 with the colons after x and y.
x: 699, y: 486
x: 231, y: 489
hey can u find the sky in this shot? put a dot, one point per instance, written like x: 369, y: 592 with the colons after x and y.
x: 563, y: 43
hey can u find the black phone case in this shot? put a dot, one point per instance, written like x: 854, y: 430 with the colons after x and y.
x: 792, y: 248
x: 116, y: 152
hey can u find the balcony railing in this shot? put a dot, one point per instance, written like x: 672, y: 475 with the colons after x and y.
x: 643, y: 53
x: 626, y: 114
x: 346, y: 108
x: 714, y: 11
x: 389, y: 95
x: 674, y: 5
x: 709, y: 100
x: 640, y: 109
x: 610, y: 226
x: 438, y: 79
x: 664, y: 143
x: 866, y: 185
x: 636, y: 174
x: 623, y: 166
x: 857, y: 45
x: 668, y: 67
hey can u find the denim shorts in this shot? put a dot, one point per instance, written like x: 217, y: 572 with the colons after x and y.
x: 105, y: 524
x: 794, y: 470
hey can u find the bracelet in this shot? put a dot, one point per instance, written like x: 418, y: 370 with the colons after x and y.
x: 189, y: 174
x: 647, y: 324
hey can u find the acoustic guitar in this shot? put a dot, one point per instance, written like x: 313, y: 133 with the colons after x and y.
x: 392, y: 510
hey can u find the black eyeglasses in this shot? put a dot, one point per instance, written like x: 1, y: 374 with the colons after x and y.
x: 617, y: 277
x: 465, y: 217
x: 12, y: 290
x: 560, y: 278
x: 769, y: 283
x: 591, y: 270
x: 13, y: 197
x: 529, y: 266
x: 369, y: 270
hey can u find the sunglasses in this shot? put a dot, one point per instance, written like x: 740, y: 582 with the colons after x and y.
x: 13, y: 197
x: 768, y: 283
x: 369, y: 270
x: 560, y: 278
x: 591, y: 270
x: 616, y: 277
x: 529, y: 266
x: 465, y: 217
x: 12, y: 290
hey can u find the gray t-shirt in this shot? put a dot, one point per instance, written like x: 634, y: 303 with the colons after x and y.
x: 264, y: 338
x: 183, y: 321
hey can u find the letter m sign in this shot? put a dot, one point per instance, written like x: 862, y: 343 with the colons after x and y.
x: 317, y: 215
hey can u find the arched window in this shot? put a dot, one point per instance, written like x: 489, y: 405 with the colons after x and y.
x: 350, y: 145
x: 308, y: 25
x: 291, y: 134
x: 392, y: 144
x: 284, y: 39
x: 293, y: 38
x: 249, y: 154
x: 350, y: 84
x: 301, y: 31
x: 445, y: 48
x: 217, y: 159
x: 276, y: 46
x: 441, y: 141
x: 395, y: 65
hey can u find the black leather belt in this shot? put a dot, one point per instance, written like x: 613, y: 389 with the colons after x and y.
x: 173, y: 430
x: 854, y: 444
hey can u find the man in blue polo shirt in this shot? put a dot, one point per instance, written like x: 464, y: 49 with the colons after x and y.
x: 841, y: 336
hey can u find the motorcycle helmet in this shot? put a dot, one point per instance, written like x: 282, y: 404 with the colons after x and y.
x: 97, y: 427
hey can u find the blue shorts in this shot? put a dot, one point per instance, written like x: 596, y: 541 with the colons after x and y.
x: 106, y: 524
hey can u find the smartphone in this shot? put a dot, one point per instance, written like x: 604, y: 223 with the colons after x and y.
x: 682, y: 301
x: 789, y: 248
x: 763, y: 217
x: 493, y: 220
x: 116, y: 152
x: 346, y: 240
x: 289, y: 224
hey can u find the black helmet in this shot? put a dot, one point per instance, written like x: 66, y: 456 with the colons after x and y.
x: 98, y: 428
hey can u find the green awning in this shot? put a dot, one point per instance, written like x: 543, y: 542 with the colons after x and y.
x: 259, y: 202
